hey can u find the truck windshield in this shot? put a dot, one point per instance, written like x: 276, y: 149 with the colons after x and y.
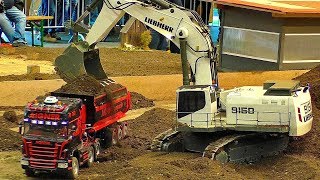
x: 45, y: 131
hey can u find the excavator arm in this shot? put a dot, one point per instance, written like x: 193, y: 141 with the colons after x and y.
x: 181, y: 26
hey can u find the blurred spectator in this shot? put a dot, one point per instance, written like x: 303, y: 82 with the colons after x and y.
x: 9, y: 14
x: 78, y: 6
x: 159, y: 42
x: 48, y: 8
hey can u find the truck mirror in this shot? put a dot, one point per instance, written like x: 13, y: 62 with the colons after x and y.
x: 21, y: 128
x: 73, y: 128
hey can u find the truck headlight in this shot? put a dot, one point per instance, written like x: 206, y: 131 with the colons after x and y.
x: 62, y: 165
x: 24, y: 162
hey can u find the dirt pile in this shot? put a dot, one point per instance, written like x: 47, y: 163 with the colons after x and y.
x: 10, y: 116
x: 9, y: 140
x: 139, y: 101
x: 310, y: 143
x: 313, y: 78
x: 142, y: 130
x: 88, y: 85
x: 84, y: 85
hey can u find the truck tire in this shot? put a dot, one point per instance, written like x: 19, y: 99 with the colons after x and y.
x: 120, y: 133
x: 29, y: 172
x: 90, y: 157
x: 124, y: 130
x: 74, y: 172
x: 106, y: 138
x: 97, y: 151
x: 115, y: 137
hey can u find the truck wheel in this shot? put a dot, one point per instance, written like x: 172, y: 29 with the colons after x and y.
x: 106, y: 138
x: 90, y: 157
x: 124, y: 130
x: 97, y: 152
x: 74, y: 172
x: 29, y: 172
x: 120, y: 135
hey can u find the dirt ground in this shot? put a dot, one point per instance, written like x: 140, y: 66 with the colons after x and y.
x: 132, y: 159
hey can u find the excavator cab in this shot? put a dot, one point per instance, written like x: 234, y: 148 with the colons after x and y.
x: 79, y: 59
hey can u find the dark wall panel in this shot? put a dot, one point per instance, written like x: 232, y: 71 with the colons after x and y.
x: 235, y: 63
x: 251, y: 19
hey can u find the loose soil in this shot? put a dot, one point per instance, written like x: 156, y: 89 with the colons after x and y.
x: 133, y: 63
x: 310, y: 143
x: 139, y: 101
x: 313, y: 78
x: 132, y: 159
x: 88, y: 85
x: 83, y: 85
x: 9, y: 140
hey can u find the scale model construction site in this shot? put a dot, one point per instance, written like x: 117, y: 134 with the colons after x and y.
x: 77, y: 124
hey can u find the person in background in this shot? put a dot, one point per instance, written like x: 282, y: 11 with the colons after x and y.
x: 10, y: 14
x: 78, y: 5
x: 158, y: 41
x: 48, y: 8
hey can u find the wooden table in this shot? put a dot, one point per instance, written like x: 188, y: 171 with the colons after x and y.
x: 34, y: 22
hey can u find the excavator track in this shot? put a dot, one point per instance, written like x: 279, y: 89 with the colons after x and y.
x: 235, y: 147
x: 217, y: 146
x: 245, y: 148
x: 168, y: 141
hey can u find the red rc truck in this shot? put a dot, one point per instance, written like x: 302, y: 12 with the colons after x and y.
x: 65, y: 131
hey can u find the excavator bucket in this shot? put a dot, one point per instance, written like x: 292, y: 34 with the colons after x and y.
x: 77, y: 60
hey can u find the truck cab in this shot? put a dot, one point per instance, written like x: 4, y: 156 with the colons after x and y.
x: 54, y: 135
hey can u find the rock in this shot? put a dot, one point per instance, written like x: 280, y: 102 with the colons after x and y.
x: 10, y: 116
x: 33, y: 69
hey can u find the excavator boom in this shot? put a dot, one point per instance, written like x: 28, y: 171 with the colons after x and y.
x: 174, y: 22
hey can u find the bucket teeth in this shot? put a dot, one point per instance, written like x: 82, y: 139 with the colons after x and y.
x: 77, y: 61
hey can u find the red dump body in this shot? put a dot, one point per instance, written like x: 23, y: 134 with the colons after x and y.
x: 105, y: 109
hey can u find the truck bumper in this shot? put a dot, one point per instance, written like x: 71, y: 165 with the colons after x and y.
x: 60, y: 165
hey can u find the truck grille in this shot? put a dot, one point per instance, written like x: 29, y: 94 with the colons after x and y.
x: 43, y: 156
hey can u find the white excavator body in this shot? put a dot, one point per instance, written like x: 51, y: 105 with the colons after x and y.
x: 279, y: 106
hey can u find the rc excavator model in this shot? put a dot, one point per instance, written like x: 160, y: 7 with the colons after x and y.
x: 236, y: 125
